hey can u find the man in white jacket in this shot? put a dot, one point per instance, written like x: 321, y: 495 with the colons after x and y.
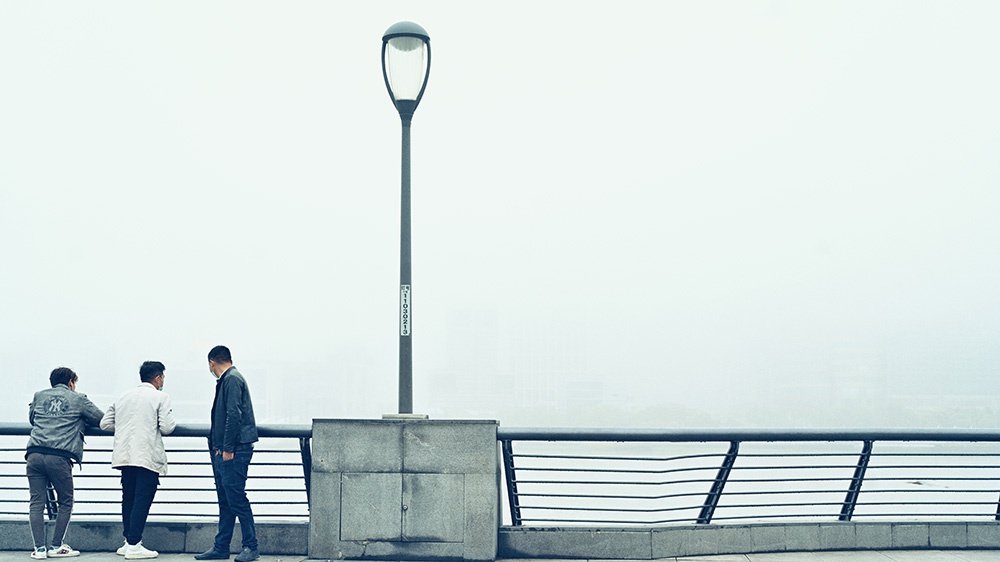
x: 140, y: 417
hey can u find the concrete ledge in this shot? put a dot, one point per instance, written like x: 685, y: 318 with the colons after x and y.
x: 164, y: 536
x: 650, y: 543
x: 528, y: 542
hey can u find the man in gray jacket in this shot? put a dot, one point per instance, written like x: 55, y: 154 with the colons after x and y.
x: 140, y: 418
x: 58, y: 416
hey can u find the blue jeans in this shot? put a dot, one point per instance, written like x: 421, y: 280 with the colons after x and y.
x: 230, y: 485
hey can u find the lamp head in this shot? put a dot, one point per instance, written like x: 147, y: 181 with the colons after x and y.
x: 406, y: 65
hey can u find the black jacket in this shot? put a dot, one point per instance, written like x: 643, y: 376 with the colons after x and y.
x: 232, y: 413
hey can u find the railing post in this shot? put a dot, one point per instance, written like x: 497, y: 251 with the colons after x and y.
x: 306, y: 451
x: 851, y: 501
x: 508, y: 470
x: 51, y: 507
x: 712, y: 501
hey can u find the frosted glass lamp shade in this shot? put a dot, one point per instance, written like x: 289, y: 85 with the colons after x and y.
x: 406, y: 64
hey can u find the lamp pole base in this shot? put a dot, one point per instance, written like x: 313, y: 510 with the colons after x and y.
x: 405, y: 417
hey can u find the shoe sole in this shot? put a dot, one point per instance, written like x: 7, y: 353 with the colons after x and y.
x: 141, y: 556
x: 69, y: 555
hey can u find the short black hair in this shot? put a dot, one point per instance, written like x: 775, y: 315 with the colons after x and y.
x: 150, y: 370
x: 62, y: 375
x: 220, y: 354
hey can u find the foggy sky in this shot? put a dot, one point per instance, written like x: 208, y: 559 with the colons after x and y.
x: 640, y: 213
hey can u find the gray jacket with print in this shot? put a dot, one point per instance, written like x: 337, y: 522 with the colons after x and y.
x: 58, y: 416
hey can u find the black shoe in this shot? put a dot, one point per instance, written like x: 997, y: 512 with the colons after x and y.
x: 247, y: 555
x: 212, y: 555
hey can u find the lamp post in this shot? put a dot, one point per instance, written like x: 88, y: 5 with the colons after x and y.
x: 406, y: 64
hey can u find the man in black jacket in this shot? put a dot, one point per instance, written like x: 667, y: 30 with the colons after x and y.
x: 231, y: 439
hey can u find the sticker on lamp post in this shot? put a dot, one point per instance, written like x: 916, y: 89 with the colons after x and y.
x: 404, y: 310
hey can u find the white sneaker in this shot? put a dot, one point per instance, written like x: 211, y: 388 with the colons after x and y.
x: 138, y: 552
x: 121, y: 549
x: 39, y: 553
x: 64, y: 551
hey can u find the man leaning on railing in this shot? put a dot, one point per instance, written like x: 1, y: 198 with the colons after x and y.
x: 140, y: 417
x: 57, y: 416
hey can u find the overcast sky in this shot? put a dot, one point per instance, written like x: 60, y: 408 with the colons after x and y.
x: 629, y: 213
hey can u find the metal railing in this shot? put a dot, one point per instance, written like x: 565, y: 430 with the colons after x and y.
x: 278, y: 484
x: 602, y: 476
x: 647, y: 477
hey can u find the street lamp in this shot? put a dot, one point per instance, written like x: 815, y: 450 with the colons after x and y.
x: 406, y: 64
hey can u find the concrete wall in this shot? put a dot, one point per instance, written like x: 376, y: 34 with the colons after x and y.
x: 106, y: 536
x: 642, y: 543
x: 404, y: 490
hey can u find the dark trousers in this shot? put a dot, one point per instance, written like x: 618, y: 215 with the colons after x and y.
x: 230, y: 486
x: 138, y: 488
x: 44, y: 470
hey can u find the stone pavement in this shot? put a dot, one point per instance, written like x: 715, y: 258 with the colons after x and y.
x: 856, y: 556
x: 829, y: 556
x: 12, y: 556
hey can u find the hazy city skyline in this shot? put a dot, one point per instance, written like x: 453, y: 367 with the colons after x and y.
x: 646, y: 213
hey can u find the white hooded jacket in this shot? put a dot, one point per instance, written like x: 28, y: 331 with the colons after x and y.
x: 140, y: 418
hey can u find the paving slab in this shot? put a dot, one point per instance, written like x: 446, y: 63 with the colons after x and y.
x: 854, y: 556
x: 978, y: 556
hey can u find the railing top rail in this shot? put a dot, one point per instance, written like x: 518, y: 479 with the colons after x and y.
x: 743, y: 435
x: 182, y: 430
x: 626, y: 434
